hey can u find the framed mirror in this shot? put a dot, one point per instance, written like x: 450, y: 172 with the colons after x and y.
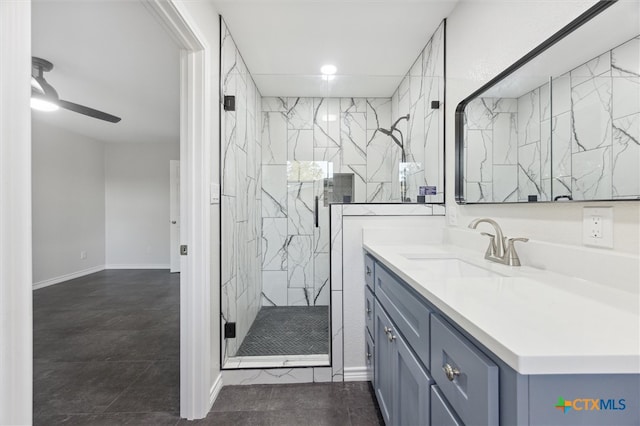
x: 563, y: 122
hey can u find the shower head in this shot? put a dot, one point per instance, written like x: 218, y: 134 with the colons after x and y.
x: 404, y: 117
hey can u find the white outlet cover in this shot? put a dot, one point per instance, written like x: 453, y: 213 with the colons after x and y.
x: 591, y: 227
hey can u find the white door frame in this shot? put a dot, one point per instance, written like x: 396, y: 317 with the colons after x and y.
x: 195, y: 168
x: 16, y: 313
x: 174, y: 216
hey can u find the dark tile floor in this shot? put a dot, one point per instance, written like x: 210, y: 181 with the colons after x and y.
x: 339, y: 404
x: 106, y: 349
x: 106, y: 352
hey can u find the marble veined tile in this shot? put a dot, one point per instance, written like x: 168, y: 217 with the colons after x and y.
x: 326, y: 122
x: 505, y: 138
x: 337, y: 345
x: 529, y: 118
x: 274, y: 244
x: 505, y: 183
x: 415, y: 138
x: 381, y: 192
x: 242, y: 185
x: 478, y: 192
x: 591, y: 114
x: 268, y: 376
x: 331, y: 155
x: 229, y: 239
x: 229, y: 160
x: 300, y: 261
x: 529, y: 171
x: 274, y: 138
x: 545, y: 102
x: 300, y: 296
x: 381, y: 154
x: 242, y: 257
x: 300, y: 208
x: 336, y: 246
x: 561, y: 90
x: 353, y: 105
x: 274, y: 191
x: 321, y: 286
x: 300, y: 113
x: 596, y: 67
x: 479, y: 114
x: 561, y: 148
x: 270, y: 104
x: 300, y: 145
x: 353, y: 138
x: 378, y: 113
x: 625, y: 63
x: 479, y: 155
x: 626, y: 156
x: 592, y: 174
x: 274, y: 288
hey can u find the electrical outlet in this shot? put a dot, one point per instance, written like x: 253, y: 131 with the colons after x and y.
x: 597, y: 226
x: 83, y: 255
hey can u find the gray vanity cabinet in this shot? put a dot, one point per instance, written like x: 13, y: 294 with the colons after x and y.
x: 429, y: 371
x: 401, y: 383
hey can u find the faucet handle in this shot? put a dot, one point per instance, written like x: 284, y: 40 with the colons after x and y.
x: 491, y: 250
x: 511, y: 255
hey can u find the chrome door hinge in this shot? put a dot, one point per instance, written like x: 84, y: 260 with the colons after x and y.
x: 184, y: 250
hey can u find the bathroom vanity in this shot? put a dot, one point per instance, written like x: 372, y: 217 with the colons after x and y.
x: 453, y: 339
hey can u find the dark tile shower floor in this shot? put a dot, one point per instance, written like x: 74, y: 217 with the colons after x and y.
x: 288, y: 330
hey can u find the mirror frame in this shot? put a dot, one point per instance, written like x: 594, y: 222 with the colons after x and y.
x: 585, y: 17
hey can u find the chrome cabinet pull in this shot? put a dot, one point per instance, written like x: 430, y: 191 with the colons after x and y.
x: 389, y: 332
x: 368, y: 271
x: 450, y: 372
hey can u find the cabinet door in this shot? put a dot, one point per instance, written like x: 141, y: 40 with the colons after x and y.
x: 411, y: 403
x: 383, y: 362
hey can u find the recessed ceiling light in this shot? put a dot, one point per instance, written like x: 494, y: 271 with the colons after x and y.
x: 328, y: 69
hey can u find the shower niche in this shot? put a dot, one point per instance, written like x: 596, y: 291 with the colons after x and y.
x: 285, y: 160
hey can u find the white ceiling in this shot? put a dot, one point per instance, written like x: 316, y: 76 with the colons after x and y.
x: 372, y: 42
x: 113, y: 56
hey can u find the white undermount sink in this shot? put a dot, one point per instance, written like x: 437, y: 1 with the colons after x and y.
x: 447, y: 268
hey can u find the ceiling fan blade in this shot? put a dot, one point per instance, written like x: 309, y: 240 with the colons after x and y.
x: 88, y: 111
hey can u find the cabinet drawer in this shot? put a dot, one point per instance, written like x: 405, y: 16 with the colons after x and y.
x: 369, y: 353
x: 406, y: 310
x: 441, y: 413
x: 368, y: 270
x: 472, y: 390
x: 368, y: 310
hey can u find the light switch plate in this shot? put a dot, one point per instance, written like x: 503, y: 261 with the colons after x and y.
x: 215, y: 193
x: 597, y: 227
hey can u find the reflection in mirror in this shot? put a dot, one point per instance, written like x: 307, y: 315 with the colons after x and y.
x: 564, y: 124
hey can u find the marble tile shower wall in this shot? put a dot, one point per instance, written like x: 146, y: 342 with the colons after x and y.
x: 241, y: 202
x: 341, y: 131
x: 423, y: 133
x: 585, y: 143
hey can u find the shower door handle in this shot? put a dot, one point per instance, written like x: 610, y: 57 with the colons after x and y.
x: 315, y: 211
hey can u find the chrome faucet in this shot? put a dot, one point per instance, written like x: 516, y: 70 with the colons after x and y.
x: 501, y: 249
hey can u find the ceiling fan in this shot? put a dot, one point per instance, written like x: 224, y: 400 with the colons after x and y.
x: 45, y: 98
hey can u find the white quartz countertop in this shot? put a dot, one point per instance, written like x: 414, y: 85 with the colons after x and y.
x: 537, y: 322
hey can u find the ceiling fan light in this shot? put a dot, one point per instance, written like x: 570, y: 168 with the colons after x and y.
x: 43, y: 104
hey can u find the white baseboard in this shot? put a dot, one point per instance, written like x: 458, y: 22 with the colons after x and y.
x: 67, y: 277
x: 138, y: 266
x: 215, y: 390
x: 357, y: 374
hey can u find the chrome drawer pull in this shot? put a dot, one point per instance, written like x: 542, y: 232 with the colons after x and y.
x: 368, y: 355
x: 391, y: 336
x: 450, y: 372
x: 368, y: 271
x: 368, y: 311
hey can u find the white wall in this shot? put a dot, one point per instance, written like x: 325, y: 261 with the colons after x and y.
x: 137, y: 204
x: 68, y: 203
x: 483, y: 38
